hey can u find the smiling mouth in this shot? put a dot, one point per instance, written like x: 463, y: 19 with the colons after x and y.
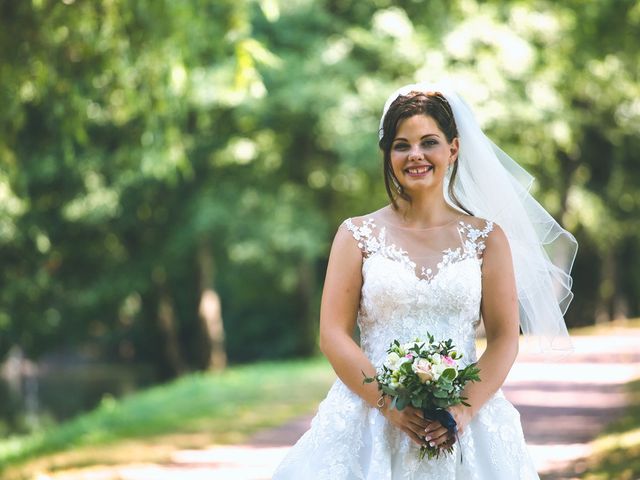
x: 421, y: 170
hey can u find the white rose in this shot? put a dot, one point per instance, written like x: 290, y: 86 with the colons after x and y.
x: 403, y: 360
x: 392, y: 361
x: 437, y: 370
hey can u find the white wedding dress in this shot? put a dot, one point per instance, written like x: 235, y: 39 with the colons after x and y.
x: 414, y: 281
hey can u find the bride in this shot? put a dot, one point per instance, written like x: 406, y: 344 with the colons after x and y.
x: 462, y: 243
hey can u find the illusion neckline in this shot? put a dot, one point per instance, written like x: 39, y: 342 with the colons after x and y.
x: 421, y: 229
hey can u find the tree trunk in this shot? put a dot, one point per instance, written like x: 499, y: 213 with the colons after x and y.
x: 621, y: 304
x: 306, y: 288
x: 166, y: 319
x: 604, y: 309
x: 210, y: 310
x: 568, y: 166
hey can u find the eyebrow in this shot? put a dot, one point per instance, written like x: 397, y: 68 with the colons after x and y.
x: 421, y: 138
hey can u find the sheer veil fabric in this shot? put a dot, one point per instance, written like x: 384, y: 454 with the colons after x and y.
x: 492, y: 185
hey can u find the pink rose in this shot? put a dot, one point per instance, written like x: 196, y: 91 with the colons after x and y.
x: 449, y: 361
x: 422, y: 368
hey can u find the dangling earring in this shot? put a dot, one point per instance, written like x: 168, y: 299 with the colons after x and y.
x: 447, y: 176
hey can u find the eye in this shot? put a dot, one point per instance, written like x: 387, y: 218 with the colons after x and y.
x: 400, y: 146
x: 429, y: 143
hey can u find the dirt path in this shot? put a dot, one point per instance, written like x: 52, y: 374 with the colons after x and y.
x: 563, y: 404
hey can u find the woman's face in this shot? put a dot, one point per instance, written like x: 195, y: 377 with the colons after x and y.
x: 420, y: 153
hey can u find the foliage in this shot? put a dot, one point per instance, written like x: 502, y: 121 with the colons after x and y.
x: 135, y: 134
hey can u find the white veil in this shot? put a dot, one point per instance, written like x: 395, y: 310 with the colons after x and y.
x: 493, y: 186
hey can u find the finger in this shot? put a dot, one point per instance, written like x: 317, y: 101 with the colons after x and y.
x: 415, y: 437
x: 440, y: 440
x: 419, y: 423
x: 413, y: 415
x: 436, y: 433
x: 418, y: 417
x: 438, y: 436
x: 417, y: 430
x: 433, y: 428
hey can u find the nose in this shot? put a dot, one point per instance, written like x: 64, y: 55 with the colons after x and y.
x: 414, y: 153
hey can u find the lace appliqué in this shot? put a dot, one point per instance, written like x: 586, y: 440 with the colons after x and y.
x: 370, y: 244
x: 475, y: 237
x: 473, y: 247
x: 367, y: 242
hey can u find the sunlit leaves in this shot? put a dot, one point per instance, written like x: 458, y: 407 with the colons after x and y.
x: 134, y: 130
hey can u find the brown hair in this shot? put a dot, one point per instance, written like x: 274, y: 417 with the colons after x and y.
x: 431, y: 104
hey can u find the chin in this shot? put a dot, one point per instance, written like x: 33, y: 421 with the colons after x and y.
x: 411, y: 187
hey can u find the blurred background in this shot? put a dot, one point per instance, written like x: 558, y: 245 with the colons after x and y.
x: 172, y: 173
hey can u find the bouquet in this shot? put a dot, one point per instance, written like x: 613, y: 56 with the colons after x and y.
x: 427, y: 376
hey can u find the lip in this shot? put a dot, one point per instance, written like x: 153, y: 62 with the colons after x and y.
x: 417, y: 171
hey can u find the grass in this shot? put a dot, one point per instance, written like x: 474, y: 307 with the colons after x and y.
x: 193, y: 411
x: 610, y: 328
x: 617, y: 449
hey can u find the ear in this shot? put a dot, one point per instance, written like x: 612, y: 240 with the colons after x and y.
x: 454, y: 148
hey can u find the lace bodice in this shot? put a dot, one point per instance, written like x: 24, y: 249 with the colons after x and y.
x: 404, y: 297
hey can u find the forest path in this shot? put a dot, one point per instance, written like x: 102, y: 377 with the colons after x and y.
x: 564, y: 403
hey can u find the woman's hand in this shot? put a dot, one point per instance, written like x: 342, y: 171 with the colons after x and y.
x: 462, y: 415
x: 410, y: 420
x: 438, y: 436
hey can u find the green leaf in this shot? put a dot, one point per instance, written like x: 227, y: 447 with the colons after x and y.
x: 441, y: 403
x: 402, y: 402
x: 388, y: 390
x: 449, y: 374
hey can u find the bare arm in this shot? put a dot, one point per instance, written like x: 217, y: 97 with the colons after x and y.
x: 499, y: 309
x: 501, y: 319
x: 338, y: 312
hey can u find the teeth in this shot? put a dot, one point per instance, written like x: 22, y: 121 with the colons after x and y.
x: 418, y: 170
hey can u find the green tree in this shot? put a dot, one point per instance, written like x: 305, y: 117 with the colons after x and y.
x: 158, y: 157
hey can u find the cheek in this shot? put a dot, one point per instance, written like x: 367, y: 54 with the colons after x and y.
x: 439, y: 156
x: 397, y: 161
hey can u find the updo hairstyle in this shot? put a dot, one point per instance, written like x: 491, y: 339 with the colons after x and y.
x: 431, y: 104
